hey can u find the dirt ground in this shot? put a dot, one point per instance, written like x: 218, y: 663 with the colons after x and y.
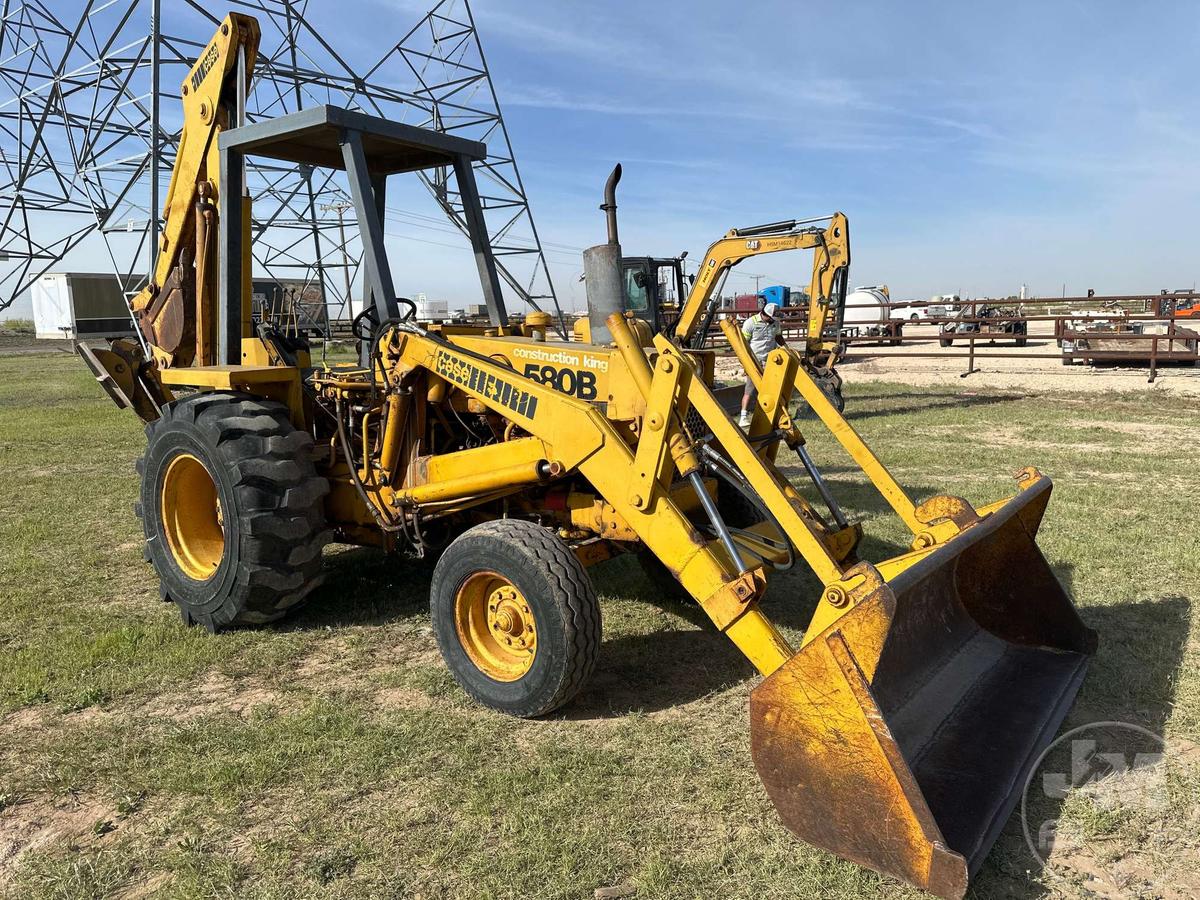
x: 923, y: 363
x: 27, y: 345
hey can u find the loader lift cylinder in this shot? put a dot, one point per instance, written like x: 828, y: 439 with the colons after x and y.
x: 718, y: 523
x: 822, y: 488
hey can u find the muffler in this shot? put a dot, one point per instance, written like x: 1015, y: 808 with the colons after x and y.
x: 902, y: 735
x: 602, y: 269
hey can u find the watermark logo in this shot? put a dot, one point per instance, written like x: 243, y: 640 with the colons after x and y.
x: 1120, y: 770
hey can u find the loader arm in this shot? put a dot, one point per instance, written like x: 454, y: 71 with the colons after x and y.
x: 827, y: 289
x: 176, y: 311
x: 580, y: 439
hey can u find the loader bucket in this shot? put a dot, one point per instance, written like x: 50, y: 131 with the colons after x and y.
x: 902, y: 736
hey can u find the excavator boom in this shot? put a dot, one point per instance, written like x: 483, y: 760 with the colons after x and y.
x: 827, y: 290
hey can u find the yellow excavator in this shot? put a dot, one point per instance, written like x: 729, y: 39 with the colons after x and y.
x: 689, y: 325
x: 897, y: 734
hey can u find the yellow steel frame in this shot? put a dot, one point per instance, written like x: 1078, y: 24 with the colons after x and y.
x: 280, y: 383
x: 775, y: 388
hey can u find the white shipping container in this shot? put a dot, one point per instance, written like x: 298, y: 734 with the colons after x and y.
x: 52, y: 317
x: 79, y: 304
x: 428, y: 310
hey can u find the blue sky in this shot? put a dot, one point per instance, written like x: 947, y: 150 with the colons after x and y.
x: 974, y: 146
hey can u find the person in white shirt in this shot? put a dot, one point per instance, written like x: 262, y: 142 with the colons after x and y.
x: 763, y: 333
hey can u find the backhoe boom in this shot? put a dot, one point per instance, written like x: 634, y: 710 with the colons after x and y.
x: 176, y: 311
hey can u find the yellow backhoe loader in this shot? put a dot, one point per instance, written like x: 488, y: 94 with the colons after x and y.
x: 897, y: 734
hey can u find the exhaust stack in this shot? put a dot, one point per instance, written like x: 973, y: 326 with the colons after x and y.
x: 602, y: 269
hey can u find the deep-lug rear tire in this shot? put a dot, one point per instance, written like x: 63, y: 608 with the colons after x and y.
x: 831, y: 386
x: 515, y: 616
x: 664, y: 584
x: 231, y: 508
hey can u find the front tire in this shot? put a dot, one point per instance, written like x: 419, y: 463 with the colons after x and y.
x: 516, y: 617
x: 231, y: 509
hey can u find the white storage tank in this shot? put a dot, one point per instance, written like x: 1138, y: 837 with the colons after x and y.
x: 867, y: 308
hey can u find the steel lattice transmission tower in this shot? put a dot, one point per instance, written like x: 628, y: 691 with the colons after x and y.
x: 89, y: 123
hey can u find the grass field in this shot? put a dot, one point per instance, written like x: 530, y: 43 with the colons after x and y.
x: 333, y: 756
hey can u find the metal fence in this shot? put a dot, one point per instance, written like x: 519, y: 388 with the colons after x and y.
x: 1139, y: 329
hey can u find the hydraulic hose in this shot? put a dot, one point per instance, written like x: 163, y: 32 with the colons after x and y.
x: 376, y: 513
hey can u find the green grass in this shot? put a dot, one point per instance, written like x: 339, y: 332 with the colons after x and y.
x: 18, y: 326
x: 333, y: 756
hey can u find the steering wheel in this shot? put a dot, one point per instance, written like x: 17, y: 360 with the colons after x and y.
x: 364, y: 324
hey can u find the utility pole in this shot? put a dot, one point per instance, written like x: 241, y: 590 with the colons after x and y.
x: 340, y: 208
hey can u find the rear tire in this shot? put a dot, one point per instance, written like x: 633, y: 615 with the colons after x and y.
x: 736, y: 509
x: 231, y: 508
x: 516, y: 617
x: 665, y: 585
x: 831, y: 387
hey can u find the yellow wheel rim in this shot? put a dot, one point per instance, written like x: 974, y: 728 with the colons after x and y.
x: 495, y: 626
x: 191, y: 517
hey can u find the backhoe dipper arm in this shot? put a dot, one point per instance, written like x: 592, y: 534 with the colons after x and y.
x: 830, y: 262
x: 176, y: 310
